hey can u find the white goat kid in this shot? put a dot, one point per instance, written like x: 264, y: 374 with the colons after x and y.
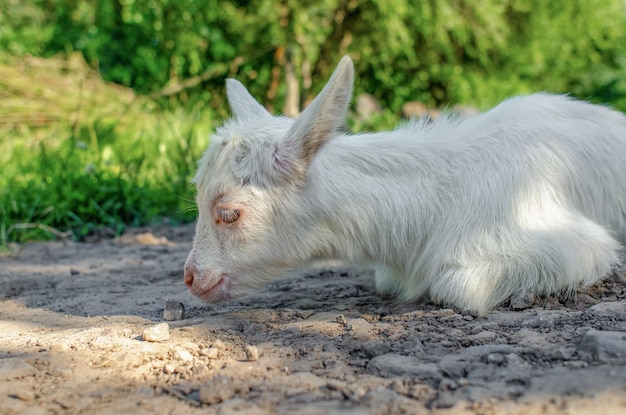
x: 529, y: 197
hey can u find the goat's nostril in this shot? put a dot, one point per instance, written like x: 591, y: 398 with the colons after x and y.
x: 188, y: 278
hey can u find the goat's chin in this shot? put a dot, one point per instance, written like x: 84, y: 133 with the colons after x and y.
x: 222, y: 290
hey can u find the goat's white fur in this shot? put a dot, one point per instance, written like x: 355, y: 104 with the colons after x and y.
x: 529, y: 197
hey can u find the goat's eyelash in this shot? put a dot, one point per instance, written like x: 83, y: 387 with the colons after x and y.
x: 228, y: 216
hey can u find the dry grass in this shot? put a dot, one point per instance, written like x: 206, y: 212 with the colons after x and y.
x: 37, y: 92
x: 78, y: 152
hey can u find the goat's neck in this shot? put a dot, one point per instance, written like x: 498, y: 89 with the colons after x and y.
x: 368, y: 198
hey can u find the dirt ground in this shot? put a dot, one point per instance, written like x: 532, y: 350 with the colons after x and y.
x: 73, y: 315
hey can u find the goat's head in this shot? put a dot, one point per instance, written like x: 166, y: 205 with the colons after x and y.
x: 249, y: 184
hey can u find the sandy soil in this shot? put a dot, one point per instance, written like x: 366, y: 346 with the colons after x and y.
x: 72, y: 317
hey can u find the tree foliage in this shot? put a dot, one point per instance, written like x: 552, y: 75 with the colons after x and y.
x: 441, y: 52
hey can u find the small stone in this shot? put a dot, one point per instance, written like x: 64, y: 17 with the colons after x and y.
x: 60, y: 346
x: 74, y: 271
x: 341, y: 319
x: 610, y: 310
x: 523, y: 302
x: 14, y: 368
x: 513, y: 359
x: 447, y: 384
x: 335, y: 385
x: 375, y: 348
x: 169, y: 369
x: 380, y: 395
x: 398, y: 365
x: 356, y: 392
x: 482, y: 337
x: 563, y: 354
x: 422, y: 392
x: 219, y: 389
x: 252, y: 353
x: 495, y: 358
x: 604, y: 346
x: 65, y: 404
x: 157, y: 333
x: 210, y: 352
x: 61, y: 372
x: 219, y: 345
x: 183, y: 354
x: 174, y: 310
x: 24, y: 395
x: 576, y: 364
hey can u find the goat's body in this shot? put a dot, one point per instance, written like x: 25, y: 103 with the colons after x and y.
x: 528, y: 197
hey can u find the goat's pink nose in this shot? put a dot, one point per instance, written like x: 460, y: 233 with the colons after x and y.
x: 188, y: 278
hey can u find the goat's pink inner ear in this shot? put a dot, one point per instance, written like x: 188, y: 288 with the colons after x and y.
x: 281, y: 160
x: 320, y: 121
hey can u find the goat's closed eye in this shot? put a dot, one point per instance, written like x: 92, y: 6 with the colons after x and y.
x: 228, y: 216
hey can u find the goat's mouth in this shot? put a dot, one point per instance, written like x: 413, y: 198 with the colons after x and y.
x: 219, y: 292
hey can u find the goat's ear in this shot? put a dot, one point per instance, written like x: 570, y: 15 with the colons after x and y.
x: 318, y: 122
x: 243, y: 105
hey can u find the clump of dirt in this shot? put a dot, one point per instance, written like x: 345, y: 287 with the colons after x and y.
x: 73, y: 315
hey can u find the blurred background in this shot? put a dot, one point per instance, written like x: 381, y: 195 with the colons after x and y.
x: 105, y: 105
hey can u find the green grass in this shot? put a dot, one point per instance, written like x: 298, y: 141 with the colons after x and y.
x: 77, y: 160
x: 109, y: 176
x: 78, y: 154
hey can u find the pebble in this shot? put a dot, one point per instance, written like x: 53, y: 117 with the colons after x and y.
x: 375, y: 348
x: 61, y: 372
x: 422, y: 392
x: 482, y: 337
x: 210, y: 352
x: 610, y: 310
x: 381, y: 397
x: 513, y: 359
x: 448, y: 384
x: 546, y: 322
x: 563, y: 353
x: 14, y: 368
x: 183, y: 354
x: 252, y: 353
x: 219, y: 389
x: 523, y: 302
x: 359, y: 328
x: 604, y: 346
x: 392, y: 364
x: 157, y: 333
x: 24, y: 395
x: 61, y: 346
x: 456, y: 364
x: 335, y: 385
x: 219, y: 345
x: 495, y: 358
x: 173, y: 311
